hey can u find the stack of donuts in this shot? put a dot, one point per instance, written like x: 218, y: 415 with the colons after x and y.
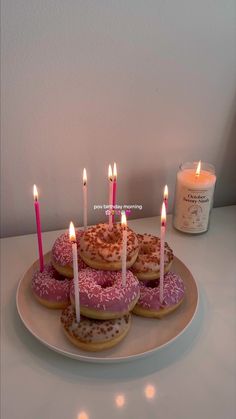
x: 105, y: 304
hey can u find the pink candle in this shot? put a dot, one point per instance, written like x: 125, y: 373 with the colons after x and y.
x: 114, y: 189
x: 110, y: 180
x: 39, y: 233
x: 166, y: 197
x: 162, y: 252
x: 124, y: 247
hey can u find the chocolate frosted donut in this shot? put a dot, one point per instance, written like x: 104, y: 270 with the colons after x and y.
x: 149, y: 304
x: 101, y: 248
x: 147, y: 264
x: 94, y: 335
x: 62, y: 258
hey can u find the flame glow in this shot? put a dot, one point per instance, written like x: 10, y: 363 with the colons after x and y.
x: 83, y: 415
x: 84, y: 177
x: 150, y: 391
x: 110, y: 176
x: 198, y: 171
x: 35, y: 192
x: 114, y: 172
x: 163, y: 214
x: 166, y: 192
x: 120, y: 400
x: 72, y: 232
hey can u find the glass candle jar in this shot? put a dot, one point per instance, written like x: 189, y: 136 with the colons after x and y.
x: 194, y: 191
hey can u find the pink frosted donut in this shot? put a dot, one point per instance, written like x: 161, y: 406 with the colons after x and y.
x: 62, y: 258
x: 51, y: 289
x: 102, y: 295
x: 149, y: 304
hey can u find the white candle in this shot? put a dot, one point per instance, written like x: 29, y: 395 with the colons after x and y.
x: 85, y: 198
x: 110, y: 180
x: 162, y: 250
x: 124, y: 247
x: 75, y: 270
x: 194, y: 192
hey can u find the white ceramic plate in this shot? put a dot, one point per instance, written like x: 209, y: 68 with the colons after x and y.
x: 145, y: 337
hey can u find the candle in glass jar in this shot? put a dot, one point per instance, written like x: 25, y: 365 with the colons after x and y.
x: 194, y: 192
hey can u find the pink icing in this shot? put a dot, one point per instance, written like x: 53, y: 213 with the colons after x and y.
x: 62, y: 250
x: 103, y: 291
x: 150, y: 292
x: 49, y: 285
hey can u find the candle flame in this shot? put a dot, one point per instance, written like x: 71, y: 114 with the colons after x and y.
x: 166, y: 192
x: 198, y: 171
x: 123, y: 219
x: 163, y: 214
x: 72, y: 232
x: 35, y: 192
x: 120, y: 400
x: 114, y: 172
x: 84, y: 177
x: 110, y: 176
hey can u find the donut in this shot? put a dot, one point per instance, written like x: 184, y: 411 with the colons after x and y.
x: 94, y: 335
x: 149, y: 305
x: 51, y: 289
x: 147, y: 265
x: 102, y: 295
x: 101, y: 248
x: 62, y: 258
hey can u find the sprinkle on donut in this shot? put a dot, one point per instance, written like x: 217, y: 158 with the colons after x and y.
x: 148, y: 260
x: 62, y: 250
x: 150, y: 292
x: 50, y: 286
x: 102, y: 291
x: 98, y: 243
x: 92, y: 330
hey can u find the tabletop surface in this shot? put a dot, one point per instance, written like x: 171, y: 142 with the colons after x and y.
x: 194, y: 377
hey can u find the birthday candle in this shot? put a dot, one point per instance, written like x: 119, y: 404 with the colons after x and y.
x: 85, y: 197
x: 114, y: 184
x: 38, y: 224
x: 124, y: 247
x: 75, y: 270
x: 110, y: 180
x: 166, y: 197
x: 162, y: 252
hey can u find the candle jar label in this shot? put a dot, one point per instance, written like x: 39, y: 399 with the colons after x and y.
x: 192, y: 209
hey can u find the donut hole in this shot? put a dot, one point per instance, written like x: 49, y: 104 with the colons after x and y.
x: 106, y: 282
x: 152, y: 284
x: 58, y: 276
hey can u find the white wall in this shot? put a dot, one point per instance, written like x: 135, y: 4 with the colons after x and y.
x: 146, y: 83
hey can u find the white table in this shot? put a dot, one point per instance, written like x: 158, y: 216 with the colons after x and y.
x: 190, y: 379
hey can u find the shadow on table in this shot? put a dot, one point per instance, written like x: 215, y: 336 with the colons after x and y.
x: 71, y: 370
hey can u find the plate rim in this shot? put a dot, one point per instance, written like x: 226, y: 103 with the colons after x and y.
x: 102, y: 360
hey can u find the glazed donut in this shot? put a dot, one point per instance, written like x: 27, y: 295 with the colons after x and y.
x: 50, y: 289
x: 102, y: 295
x: 62, y: 258
x: 94, y: 335
x: 101, y: 248
x: 147, y: 264
x: 149, y: 305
